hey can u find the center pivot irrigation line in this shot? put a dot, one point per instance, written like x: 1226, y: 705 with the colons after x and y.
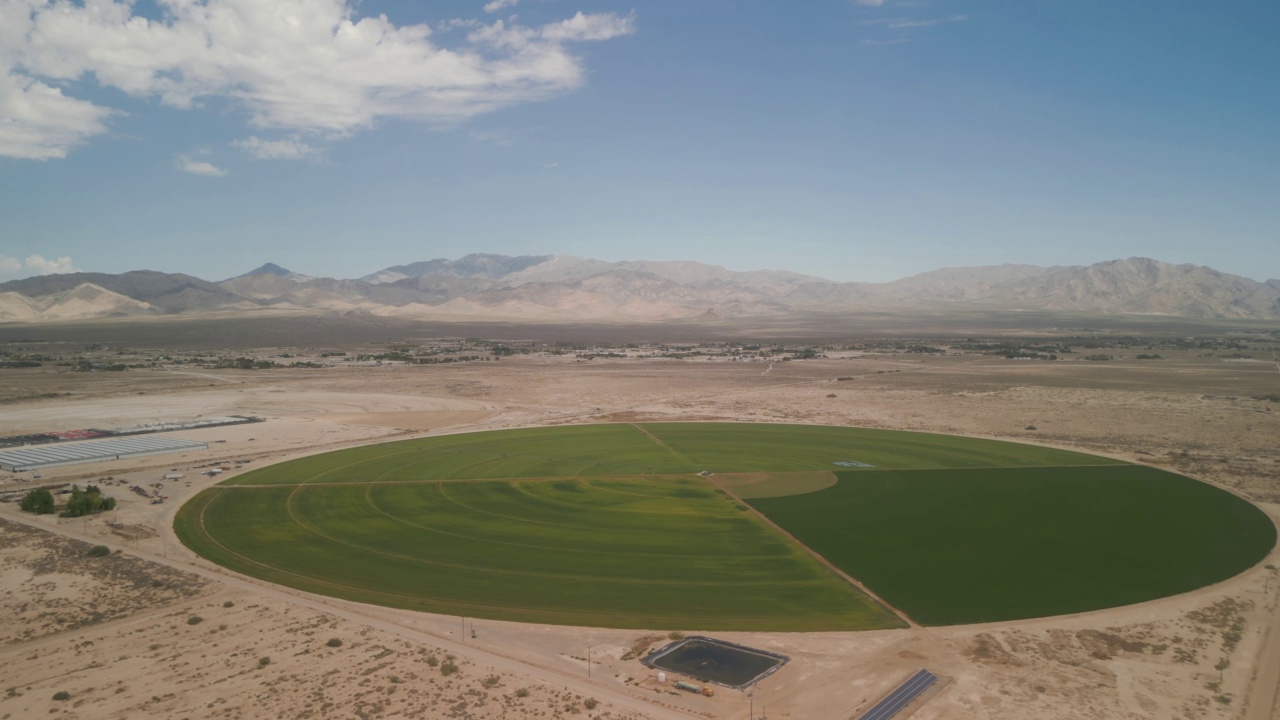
x: 660, y: 443
x: 825, y: 562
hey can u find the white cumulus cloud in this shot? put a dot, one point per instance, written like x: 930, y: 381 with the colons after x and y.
x: 188, y: 164
x: 35, y: 265
x: 305, y: 66
x: 275, y: 149
x: 38, y: 122
x: 40, y: 266
x: 496, y: 5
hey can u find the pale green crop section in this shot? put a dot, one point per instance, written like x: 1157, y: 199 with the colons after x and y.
x: 613, y: 525
x: 653, y: 449
x: 650, y: 552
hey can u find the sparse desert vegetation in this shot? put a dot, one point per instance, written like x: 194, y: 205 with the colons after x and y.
x: 1202, y: 409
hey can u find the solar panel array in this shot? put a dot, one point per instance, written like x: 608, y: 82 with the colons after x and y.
x: 901, y: 697
x: 42, y: 456
x: 65, y: 435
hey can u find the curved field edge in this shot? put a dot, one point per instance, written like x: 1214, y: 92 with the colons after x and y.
x: 623, y: 449
x: 650, y: 553
x: 937, y: 553
x: 969, y: 546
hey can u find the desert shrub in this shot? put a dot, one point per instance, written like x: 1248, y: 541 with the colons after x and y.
x: 432, y: 660
x: 334, y: 642
x: 590, y: 703
x: 62, y: 695
x: 228, y: 604
x: 675, y: 635
x: 490, y: 681
x: 448, y: 667
x: 264, y: 661
x: 195, y: 620
x: 99, y: 551
x: 522, y: 692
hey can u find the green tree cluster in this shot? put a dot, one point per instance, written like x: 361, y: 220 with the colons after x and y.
x: 87, y: 502
x: 38, y: 501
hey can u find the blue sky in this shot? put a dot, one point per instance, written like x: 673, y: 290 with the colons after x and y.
x: 850, y: 140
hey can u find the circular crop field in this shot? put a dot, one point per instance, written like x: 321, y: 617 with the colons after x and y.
x: 725, y: 526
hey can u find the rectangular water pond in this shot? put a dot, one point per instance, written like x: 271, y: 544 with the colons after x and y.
x: 716, y: 661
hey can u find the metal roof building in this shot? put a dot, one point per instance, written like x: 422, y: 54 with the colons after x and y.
x: 43, y: 456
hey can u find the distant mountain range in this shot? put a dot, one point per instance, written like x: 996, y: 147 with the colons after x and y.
x: 566, y: 288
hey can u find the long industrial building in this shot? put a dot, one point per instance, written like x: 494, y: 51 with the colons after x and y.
x: 43, y: 456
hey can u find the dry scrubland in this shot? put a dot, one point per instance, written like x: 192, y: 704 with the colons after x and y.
x: 116, y: 633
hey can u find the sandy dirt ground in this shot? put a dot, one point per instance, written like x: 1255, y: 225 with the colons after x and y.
x: 120, y: 635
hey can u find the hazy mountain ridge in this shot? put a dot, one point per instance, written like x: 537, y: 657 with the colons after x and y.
x: 1134, y: 285
x: 165, y: 292
x: 84, y: 301
x: 563, y: 287
x: 485, y: 265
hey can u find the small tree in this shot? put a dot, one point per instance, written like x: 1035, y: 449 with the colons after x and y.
x: 87, y: 502
x: 38, y: 501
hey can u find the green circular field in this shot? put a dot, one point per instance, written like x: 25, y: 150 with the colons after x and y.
x: 700, y: 525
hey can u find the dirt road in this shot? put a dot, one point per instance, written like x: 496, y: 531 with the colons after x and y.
x: 1264, y: 695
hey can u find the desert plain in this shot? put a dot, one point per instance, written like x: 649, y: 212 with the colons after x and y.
x: 153, y: 631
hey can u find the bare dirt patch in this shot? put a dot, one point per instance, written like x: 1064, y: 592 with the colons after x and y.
x: 1191, y: 412
x: 52, y: 584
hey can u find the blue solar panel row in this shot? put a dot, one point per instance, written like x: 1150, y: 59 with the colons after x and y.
x: 901, y: 697
x: 34, y: 457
